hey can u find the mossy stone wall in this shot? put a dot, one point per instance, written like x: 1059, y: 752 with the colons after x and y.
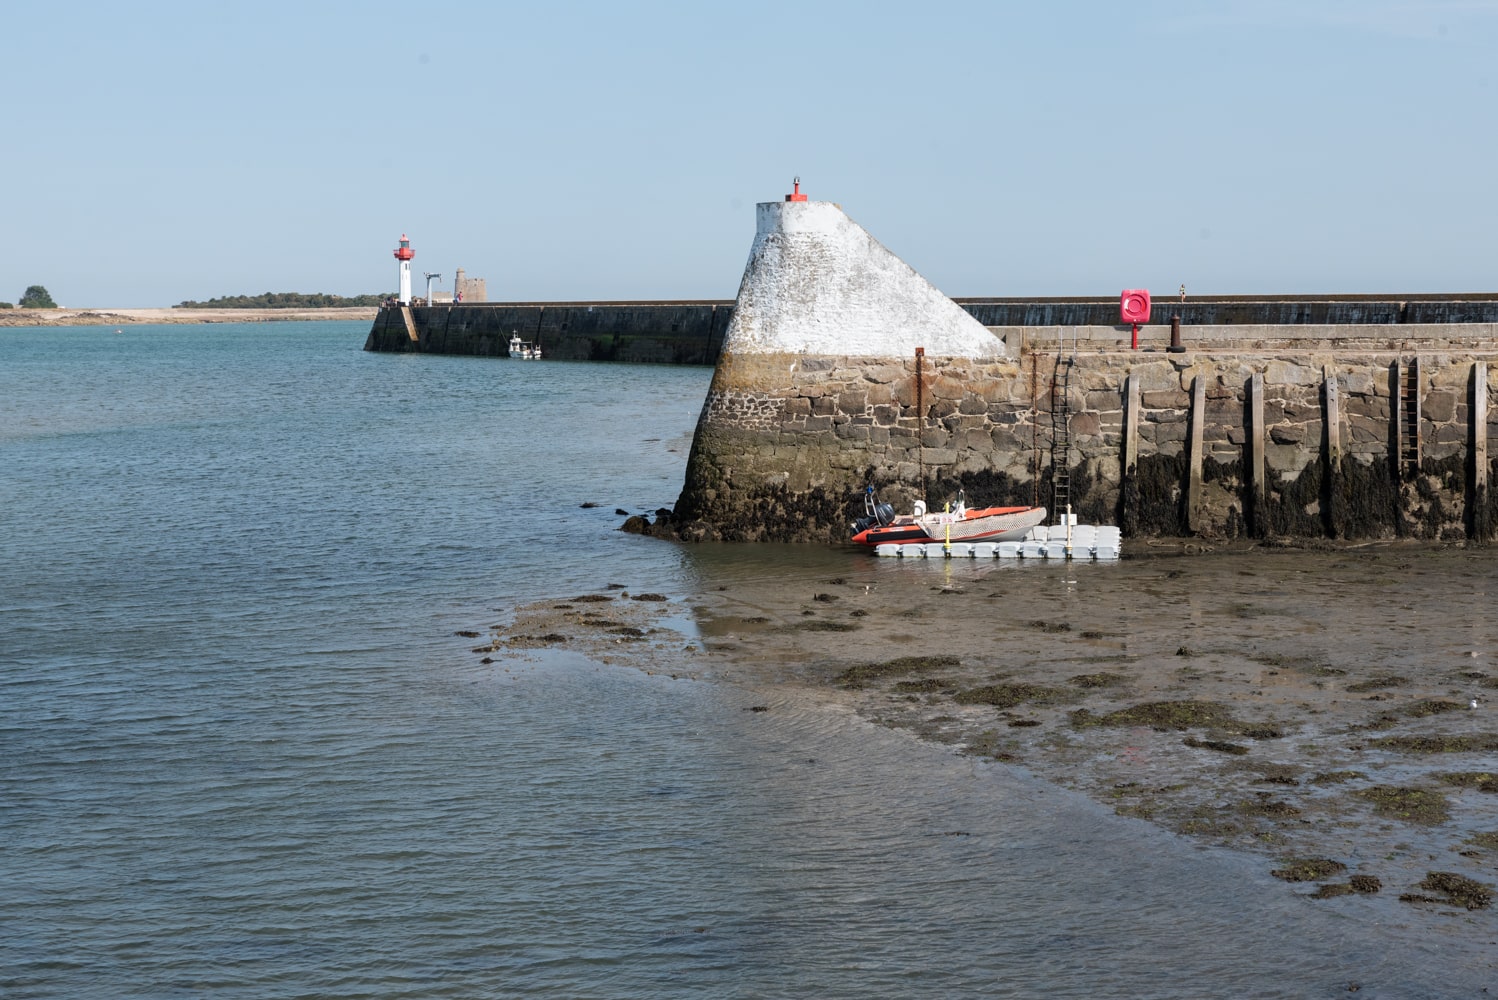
x: 787, y: 443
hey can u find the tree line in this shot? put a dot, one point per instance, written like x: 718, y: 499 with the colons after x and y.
x: 35, y: 297
x: 286, y: 300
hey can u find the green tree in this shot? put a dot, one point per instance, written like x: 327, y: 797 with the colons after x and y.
x: 36, y: 297
x: 286, y: 300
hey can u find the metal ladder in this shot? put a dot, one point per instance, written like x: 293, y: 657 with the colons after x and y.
x: 1409, y: 418
x: 1061, y: 434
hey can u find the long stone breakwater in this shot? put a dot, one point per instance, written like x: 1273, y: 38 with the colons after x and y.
x: 692, y: 332
x: 838, y: 367
x: 681, y: 333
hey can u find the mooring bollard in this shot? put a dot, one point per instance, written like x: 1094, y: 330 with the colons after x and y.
x: 1175, y: 335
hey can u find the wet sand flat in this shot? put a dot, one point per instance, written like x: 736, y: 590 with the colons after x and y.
x: 1313, y: 707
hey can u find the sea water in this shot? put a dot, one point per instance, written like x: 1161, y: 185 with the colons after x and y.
x: 243, y: 752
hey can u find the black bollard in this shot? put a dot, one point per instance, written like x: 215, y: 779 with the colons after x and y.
x: 1175, y: 335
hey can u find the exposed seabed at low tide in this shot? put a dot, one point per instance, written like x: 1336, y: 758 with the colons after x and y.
x: 1326, y: 712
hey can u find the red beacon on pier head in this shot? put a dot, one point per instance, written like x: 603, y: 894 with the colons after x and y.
x: 796, y: 195
x: 404, y: 251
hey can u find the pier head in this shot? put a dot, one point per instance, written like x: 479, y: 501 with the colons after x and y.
x: 841, y: 367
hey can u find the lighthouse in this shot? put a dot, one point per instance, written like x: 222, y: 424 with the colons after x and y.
x: 404, y: 253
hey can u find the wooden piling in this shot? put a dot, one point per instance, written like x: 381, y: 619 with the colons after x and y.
x: 1479, y: 522
x: 1257, y: 488
x: 1333, y: 417
x: 1128, y: 512
x: 1195, y: 491
x: 1396, y: 422
x: 1333, y: 514
x: 1480, y: 424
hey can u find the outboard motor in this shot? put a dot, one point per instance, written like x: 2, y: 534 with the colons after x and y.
x: 875, y: 513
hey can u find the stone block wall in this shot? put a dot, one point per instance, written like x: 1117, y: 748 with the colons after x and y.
x: 787, y: 443
x: 689, y: 333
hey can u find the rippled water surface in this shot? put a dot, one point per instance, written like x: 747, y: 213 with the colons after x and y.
x: 244, y: 754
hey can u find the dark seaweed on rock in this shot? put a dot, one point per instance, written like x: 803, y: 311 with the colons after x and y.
x: 1430, y: 706
x: 1479, y: 743
x: 823, y: 625
x: 1218, y: 745
x: 1332, y: 890
x: 1101, y: 679
x: 1459, y: 889
x: 1309, y: 870
x: 1050, y: 628
x: 926, y: 685
x: 1009, y: 695
x: 1166, y: 715
x: 896, y: 667
x: 1412, y: 805
x: 1483, y: 781
x: 1272, y: 808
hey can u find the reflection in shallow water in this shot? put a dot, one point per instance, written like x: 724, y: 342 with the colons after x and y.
x: 1296, y: 645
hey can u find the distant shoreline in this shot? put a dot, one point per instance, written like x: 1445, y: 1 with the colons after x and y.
x: 121, y: 317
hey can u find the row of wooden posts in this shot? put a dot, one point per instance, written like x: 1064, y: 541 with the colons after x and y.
x: 1405, y: 427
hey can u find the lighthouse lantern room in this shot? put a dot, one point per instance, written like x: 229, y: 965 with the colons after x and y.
x: 404, y: 253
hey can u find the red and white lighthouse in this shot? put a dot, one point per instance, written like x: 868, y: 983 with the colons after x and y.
x: 404, y: 253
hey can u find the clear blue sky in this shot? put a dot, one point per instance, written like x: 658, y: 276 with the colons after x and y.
x: 161, y: 151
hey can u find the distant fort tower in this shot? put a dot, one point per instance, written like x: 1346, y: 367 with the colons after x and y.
x: 468, y: 289
x: 404, y: 253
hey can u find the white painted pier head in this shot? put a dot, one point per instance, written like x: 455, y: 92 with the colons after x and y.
x: 818, y: 284
x: 837, y: 369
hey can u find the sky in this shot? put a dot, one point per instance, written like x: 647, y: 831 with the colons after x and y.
x: 160, y: 151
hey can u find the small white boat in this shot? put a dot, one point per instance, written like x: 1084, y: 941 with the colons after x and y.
x: 524, y: 349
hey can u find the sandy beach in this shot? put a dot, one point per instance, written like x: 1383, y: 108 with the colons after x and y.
x: 1327, y: 710
x: 121, y: 317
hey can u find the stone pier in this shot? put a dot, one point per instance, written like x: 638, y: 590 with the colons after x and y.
x: 842, y: 368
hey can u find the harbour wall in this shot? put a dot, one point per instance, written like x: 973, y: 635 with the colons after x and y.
x: 692, y: 332
x: 1362, y: 436
x: 681, y: 333
x: 1349, y: 417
